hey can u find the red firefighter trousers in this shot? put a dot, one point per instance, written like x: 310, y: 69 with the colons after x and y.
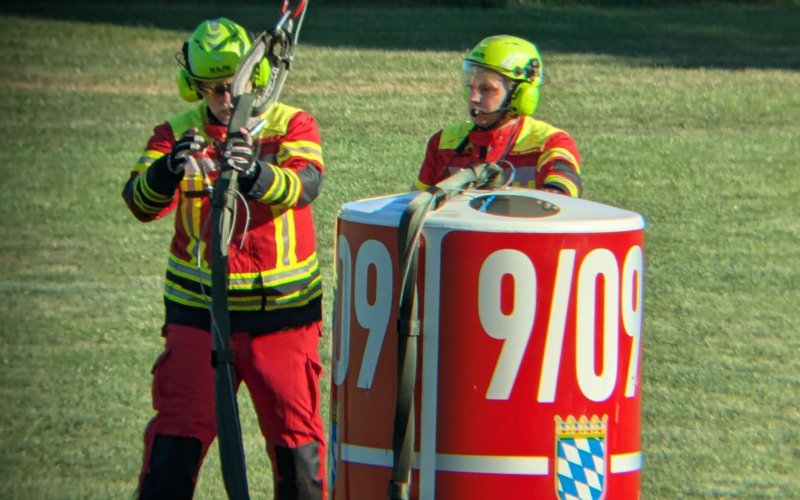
x: 281, y: 371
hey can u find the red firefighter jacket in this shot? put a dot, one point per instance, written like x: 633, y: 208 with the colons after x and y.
x: 542, y: 155
x: 274, y: 280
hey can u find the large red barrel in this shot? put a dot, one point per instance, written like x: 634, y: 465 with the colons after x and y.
x: 528, y: 383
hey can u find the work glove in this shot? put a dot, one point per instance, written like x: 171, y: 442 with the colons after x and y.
x: 492, y: 175
x: 241, y: 154
x: 189, y: 143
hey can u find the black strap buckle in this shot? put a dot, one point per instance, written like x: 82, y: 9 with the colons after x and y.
x: 223, y: 356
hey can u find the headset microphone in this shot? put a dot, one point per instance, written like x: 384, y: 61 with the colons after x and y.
x: 476, y: 112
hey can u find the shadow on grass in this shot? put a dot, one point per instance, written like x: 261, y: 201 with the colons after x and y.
x: 713, y: 36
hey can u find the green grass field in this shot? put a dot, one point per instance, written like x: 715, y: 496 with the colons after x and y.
x: 687, y: 115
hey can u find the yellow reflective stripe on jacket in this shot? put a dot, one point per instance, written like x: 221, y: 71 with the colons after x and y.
x: 557, y: 153
x: 193, y: 118
x: 278, y: 116
x: 300, y: 149
x: 286, y: 188
x: 299, y: 297
x: 299, y: 271
x: 248, y: 281
x: 178, y: 294
x: 293, y: 191
x: 278, y: 185
x: 532, y: 135
x: 563, y: 181
x: 191, y: 214
x: 141, y: 183
x: 285, y: 242
x: 142, y: 204
x: 152, y: 195
x: 453, y: 135
x: 148, y: 157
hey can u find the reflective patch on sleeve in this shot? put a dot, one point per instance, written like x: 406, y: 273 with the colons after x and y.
x: 557, y: 154
x: 570, y: 186
x: 300, y: 149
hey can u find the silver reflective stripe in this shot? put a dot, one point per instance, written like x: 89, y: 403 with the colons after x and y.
x: 197, y: 274
x: 286, y: 239
x: 311, y: 268
x: 234, y: 303
x: 303, y: 289
x: 300, y: 298
x: 287, y: 151
x: 181, y: 296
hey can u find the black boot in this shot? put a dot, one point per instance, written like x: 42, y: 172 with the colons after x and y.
x: 298, y: 469
x: 174, y: 463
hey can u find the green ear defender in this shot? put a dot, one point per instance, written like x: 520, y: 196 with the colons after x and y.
x: 261, y: 73
x: 186, y: 90
x: 524, y: 99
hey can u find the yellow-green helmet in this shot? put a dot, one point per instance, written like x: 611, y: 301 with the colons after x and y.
x: 215, y: 48
x: 213, y: 52
x: 510, y: 56
x: 516, y: 59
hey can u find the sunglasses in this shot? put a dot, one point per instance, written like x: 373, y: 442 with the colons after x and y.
x: 217, y: 89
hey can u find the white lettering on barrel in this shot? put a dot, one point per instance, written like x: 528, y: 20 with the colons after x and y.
x: 632, y: 307
x: 514, y: 329
x: 373, y: 317
x: 556, y: 327
x: 598, y: 262
x: 342, y: 308
x: 622, y: 295
x: 517, y: 327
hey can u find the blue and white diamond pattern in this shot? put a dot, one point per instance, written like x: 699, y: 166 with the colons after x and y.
x: 580, y: 468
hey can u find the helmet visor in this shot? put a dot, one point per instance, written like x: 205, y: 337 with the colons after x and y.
x: 485, y: 87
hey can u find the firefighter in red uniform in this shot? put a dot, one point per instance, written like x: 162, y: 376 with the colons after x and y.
x: 274, y: 286
x: 502, y: 78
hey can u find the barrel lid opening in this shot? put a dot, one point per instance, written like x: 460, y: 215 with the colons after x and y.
x: 514, y: 206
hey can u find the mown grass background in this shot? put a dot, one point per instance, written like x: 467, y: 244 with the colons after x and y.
x: 689, y: 115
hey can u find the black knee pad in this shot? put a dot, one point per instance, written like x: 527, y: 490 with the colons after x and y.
x: 174, y: 463
x: 298, y: 469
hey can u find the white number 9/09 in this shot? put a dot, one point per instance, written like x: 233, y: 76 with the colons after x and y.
x: 373, y: 317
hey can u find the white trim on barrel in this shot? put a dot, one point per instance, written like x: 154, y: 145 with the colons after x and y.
x: 476, y: 464
x: 481, y: 464
x: 626, y: 462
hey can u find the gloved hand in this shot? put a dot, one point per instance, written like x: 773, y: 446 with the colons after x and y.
x: 185, y: 146
x: 491, y: 173
x: 240, y: 154
x: 494, y: 173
